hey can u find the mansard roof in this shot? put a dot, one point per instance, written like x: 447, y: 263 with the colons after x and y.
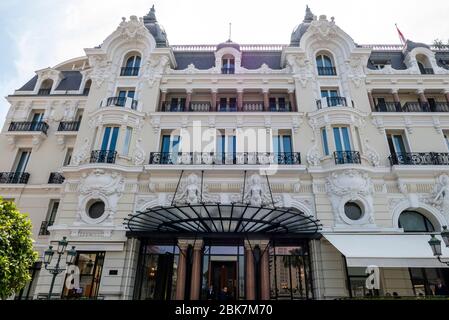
x: 156, y: 30
x: 71, y: 80
x: 301, y: 29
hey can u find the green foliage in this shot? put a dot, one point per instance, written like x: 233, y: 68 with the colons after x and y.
x: 16, y: 249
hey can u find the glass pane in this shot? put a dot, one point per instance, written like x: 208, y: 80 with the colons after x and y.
x: 346, y: 140
x: 165, y: 144
x: 327, y: 62
x: 131, y: 94
x: 337, y: 137
x: 324, y: 93
x: 325, y: 143
x: 106, y: 136
x: 23, y: 161
x: 319, y: 61
x: 414, y: 222
x: 137, y: 62
x: 127, y: 140
x: 114, y: 139
x: 399, y: 144
x: 287, y: 144
x: 276, y: 145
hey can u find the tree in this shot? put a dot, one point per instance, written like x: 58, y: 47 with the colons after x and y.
x: 16, y: 249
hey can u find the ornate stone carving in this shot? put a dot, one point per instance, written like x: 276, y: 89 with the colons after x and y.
x: 313, y: 155
x: 83, y: 153
x: 257, y: 193
x: 190, y: 191
x: 441, y: 198
x: 132, y: 29
x: 372, y: 154
x: 101, y: 70
x: 323, y: 29
x: 154, y: 68
x: 354, y: 186
x: 139, y: 153
x: 99, y: 185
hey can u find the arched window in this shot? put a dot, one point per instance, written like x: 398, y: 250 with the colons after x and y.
x: 87, y: 87
x: 412, y: 221
x: 325, y: 65
x: 45, y: 87
x: 132, y: 66
x: 228, y: 64
x: 424, y: 64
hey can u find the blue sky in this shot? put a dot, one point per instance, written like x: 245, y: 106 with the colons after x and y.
x: 35, y: 34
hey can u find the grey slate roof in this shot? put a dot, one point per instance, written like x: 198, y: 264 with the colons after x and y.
x: 443, y: 59
x: 29, y: 86
x: 254, y: 60
x: 201, y: 60
x: 395, y: 58
x: 302, y: 28
x: 71, y: 80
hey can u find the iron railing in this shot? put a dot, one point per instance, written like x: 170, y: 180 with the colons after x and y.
x: 205, y: 106
x: 227, y: 107
x: 56, y: 178
x: 208, y: 158
x: 347, y: 157
x: 427, y: 71
x: 333, y: 102
x: 29, y: 126
x: 129, y: 71
x: 412, y: 107
x: 173, y: 107
x: 327, y: 71
x: 120, y: 102
x: 228, y: 70
x: 69, y: 126
x: 14, y: 177
x: 416, y: 107
x: 103, y: 156
x: 419, y: 159
x: 43, y: 231
x: 44, y: 92
x: 280, y: 107
x: 389, y: 107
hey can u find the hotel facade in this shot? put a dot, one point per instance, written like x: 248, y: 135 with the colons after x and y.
x: 277, y: 171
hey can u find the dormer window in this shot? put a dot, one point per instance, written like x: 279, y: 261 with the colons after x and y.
x: 45, y: 88
x: 132, y: 66
x: 87, y: 87
x: 379, y: 64
x: 424, y: 64
x: 325, y: 65
x: 228, y: 64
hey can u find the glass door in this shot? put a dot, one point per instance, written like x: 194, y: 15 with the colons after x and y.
x: 226, y: 149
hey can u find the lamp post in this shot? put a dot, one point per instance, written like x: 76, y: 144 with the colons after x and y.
x: 435, y: 244
x: 48, y: 256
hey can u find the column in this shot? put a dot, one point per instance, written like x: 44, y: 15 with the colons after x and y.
x: 266, y: 100
x: 181, y: 282
x: 371, y: 101
x: 196, y: 271
x: 291, y: 97
x: 250, y: 285
x: 162, y: 100
x: 188, y: 100
x: 214, y: 100
x: 397, y: 100
x: 239, y: 100
x: 265, y: 271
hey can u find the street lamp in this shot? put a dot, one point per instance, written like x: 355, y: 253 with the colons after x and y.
x: 48, y: 256
x: 435, y: 244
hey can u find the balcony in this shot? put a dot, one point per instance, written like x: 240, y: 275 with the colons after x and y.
x: 328, y: 102
x: 280, y: 107
x: 14, y: 177
x: 43, y: 231
x: 253, y: 106
x: 427, y: 71
x: 419, y: 159
x: 56, y: 178
x: 227, y: 107
x: 173, y: 107
x: 327, y: 71
x: 389, y: 107
x: 69, y: 126
x: 121, y: 102
x: 347, y: 157
x: 44, y: 92
x: 31, y: 126
x: 246, y: 158
x: 129, y: 72
x: 413, y: 107
x: 103, y: 156
x: 228, y: 70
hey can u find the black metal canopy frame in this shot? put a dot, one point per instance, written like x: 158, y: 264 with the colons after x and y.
x: 217, y: 220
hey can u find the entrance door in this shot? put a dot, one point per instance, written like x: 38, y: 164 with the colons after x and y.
x: 224, y: 274
x: 164, y: 274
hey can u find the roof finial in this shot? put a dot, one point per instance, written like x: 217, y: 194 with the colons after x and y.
x: 230, y: 32
x: 151, y: 16
x: 309, y: 15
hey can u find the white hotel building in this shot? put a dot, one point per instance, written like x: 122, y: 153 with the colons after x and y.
x: 110, y: 150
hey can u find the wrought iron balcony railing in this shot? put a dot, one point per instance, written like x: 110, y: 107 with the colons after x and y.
x: 347, y: 157
x: 205, y: 106
x: 69, y: 126
x: 327, y: 71
x: 29, y: 126
x: 121, y: 102
x: 207, y: 158
x: 416, y: 107
x: 44, y: 92
x: 56, y: 178
x: 389, y: 107
x: 332, y: 102
x: 226, y: 107
x: 129, y: 72
x: 43, y: 231
x: 427, y: 71
x: 280, y: 107
x: 14, y: 177
x: 173, y: 107
x: 103, y: 156
x: 228, y: 70
x: 419, y: 159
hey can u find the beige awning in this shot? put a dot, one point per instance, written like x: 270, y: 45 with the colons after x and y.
x: 400, y: 250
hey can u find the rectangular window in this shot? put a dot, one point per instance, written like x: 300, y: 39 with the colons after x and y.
x: 282, y: 144
x: 396, y: 143
x: 22, y: 161
x: 357, y: 280
x: 325, y: 142
x: 430, y: 282
x: 53, y: 210
x: 128, y: 136
x: 177, y: 104
x: 68, y: 157
x: 170, y: 149
x: 342, y: 139
x: 110, y: 138
x: 226, y: 149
